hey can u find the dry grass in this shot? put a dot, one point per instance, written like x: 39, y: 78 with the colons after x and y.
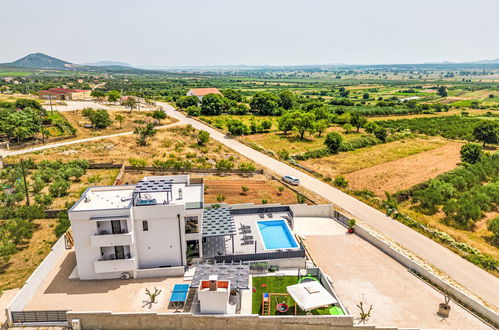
x: 31, y: 254
x: 479, y: 238
x: 403, y: 173
x: 348, y: 162
x: 175, y: 142
x: 132, y: 120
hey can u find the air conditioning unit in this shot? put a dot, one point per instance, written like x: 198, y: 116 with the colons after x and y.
x: 126, y: 276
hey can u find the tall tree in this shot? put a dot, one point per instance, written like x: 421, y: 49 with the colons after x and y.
x: 487, y: 132
x: 357, y: 120
x: 264, y: 103
x: 212, y: 104
x: 287, y: 99
x: 303, y: 122
x: 113, y: 96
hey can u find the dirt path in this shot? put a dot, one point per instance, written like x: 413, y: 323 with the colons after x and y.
x: 401, y: 174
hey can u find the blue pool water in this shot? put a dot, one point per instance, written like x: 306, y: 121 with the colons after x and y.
x: 276, y: 235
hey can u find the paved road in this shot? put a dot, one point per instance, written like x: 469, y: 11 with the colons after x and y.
x: 474, y: 279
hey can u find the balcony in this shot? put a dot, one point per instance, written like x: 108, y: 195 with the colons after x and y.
x: 114, y: 265
x: 99, y: 240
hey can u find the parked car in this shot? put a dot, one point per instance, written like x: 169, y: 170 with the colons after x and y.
x: 291, y: 180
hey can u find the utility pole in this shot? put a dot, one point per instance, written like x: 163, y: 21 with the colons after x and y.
x: 25, y: 183
x: 50, y: 100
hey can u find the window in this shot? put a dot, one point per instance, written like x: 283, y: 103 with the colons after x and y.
x: 191, y: 225
x: 145, y: 225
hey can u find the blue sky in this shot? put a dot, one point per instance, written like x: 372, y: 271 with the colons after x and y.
x: 256, y: 32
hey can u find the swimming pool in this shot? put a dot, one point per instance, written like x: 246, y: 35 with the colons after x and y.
x: 276, y: 235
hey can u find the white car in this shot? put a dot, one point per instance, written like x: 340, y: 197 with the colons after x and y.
x: 291, y: 180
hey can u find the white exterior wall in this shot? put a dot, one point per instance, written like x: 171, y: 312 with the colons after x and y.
x: 213, y: 302
x: 86, y: 253
x: 162, y: 244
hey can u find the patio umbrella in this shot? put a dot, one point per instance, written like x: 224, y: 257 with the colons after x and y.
x: 310, y: 295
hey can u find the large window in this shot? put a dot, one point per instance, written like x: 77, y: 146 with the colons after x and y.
x: 191, y: 225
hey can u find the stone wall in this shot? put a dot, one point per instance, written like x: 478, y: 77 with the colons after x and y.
x: 108, y: 320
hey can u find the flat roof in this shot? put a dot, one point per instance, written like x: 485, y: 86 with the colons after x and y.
x: 237, y: 274
x: 102, y: 198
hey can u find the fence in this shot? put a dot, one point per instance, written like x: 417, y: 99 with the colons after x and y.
x: 39, y: 317
x: 36, y: 278
x: 262, y: 256
x: 95, y: 166
x: 21, y: 145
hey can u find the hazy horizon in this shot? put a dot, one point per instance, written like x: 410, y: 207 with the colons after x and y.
x: 158, y: 33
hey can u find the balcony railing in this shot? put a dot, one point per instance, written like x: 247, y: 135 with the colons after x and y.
x: 99, y: 240
x: 114, y: 265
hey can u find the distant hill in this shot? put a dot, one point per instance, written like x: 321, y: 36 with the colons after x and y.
x: 109, y: 63
x: 493, y: 61
x: 41, y: 61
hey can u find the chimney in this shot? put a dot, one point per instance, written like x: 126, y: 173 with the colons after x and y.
x: 213, y: 282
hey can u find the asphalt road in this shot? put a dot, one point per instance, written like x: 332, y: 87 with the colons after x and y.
x: 473, y: 278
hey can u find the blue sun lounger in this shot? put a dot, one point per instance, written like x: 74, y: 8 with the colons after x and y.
x: 179, y: 293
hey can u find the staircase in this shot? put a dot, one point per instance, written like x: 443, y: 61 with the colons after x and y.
x: 68, y: 239
x: 189, y: 300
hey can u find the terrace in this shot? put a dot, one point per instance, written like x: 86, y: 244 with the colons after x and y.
x: 232, y: 232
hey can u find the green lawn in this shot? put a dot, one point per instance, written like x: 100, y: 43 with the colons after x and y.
x: 278, y: 284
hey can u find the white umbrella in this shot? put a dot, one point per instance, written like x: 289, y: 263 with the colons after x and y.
x: 310, y: 295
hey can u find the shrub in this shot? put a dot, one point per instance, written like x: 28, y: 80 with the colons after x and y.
x: 333, y: 142
x: 203, y: 137
x: 471, y: 153
x: 340, y: 181
x: 59, y: 188
x: 193, y: 111
x: 247, y: 167
x: 137, y: 162
x: 224, y: 165
x: 380, y: 133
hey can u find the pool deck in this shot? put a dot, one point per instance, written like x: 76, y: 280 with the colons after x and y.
x: 251, y: 221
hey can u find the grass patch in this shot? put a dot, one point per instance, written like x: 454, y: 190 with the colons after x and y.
x: 277, y: 284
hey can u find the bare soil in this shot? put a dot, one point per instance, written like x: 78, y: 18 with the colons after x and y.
x: 405, y: 172
x: 259, y: 190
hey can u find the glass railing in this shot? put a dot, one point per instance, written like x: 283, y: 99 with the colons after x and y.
x: 193, y: 205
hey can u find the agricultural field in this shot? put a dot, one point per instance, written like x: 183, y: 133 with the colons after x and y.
x: 365, y: 158
x: 403, y: 173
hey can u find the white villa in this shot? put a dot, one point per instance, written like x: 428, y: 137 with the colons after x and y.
x: 137, y: 231
x: 155, y: 227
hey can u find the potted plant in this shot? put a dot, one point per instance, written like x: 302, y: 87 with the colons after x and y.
x: 189, y: 255
x: 444, y: 308
x: 351, y: 224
